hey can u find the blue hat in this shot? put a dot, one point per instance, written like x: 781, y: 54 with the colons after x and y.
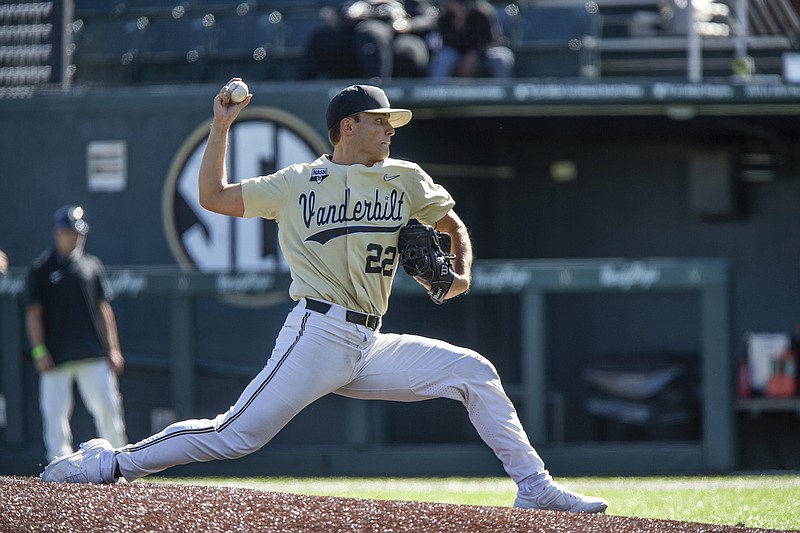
x: 364, y: 99
x: 71, y: 217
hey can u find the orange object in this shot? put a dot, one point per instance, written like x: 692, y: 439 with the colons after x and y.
x: 783, y: 382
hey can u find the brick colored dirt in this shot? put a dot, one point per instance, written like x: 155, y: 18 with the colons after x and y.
x: 27, y: 504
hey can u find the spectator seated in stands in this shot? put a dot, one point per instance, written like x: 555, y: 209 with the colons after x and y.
x: 372, y: 39
x: 471, y: 43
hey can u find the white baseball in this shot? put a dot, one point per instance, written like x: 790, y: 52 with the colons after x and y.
x: 238, y: 91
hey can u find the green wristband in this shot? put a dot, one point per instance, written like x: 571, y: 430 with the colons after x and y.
x: 39, y: 352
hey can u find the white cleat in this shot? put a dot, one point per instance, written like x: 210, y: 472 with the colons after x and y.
x: 557, y: 498
x: 92, y: 463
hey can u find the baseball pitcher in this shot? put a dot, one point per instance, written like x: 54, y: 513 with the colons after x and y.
x: 343, y: 224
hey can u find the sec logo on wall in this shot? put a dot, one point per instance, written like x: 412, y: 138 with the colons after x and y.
x: 261, y: 141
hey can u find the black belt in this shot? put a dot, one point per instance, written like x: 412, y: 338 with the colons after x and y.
x: 362, y: 319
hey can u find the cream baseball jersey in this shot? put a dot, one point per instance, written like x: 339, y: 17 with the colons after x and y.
x: 338, y: 224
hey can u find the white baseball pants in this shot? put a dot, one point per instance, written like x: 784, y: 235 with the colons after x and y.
x: 316, y: 354
x: 99, y: 390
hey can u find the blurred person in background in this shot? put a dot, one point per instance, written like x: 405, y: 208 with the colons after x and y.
x: 3, y: 262
x: 73, y: 334
x: 372, y: 39
x: 469, y: 43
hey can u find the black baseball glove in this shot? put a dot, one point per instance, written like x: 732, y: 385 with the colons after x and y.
x: 425, y: 254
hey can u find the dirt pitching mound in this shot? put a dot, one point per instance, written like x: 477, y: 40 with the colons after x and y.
x: 27, y: 504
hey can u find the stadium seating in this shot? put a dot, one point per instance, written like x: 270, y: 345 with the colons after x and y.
x: 625, y: 49
x: 153, y: 7
x: 549, y: 40
x: 776, y: 17
x: 197, y: 40
x: 175, y: 49
x: 93, y: 8
x: 243, y: 45
x: 509, y: 16
x: 107, y: 49
x: 296, y: 26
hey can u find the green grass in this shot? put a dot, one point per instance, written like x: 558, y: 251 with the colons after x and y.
x: 770, y: 502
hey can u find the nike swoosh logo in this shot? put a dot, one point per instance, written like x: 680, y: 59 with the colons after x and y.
x: 387, y: 177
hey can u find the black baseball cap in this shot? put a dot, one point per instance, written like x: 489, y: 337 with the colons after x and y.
x: 71, y: 217
x: 364, y: 99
